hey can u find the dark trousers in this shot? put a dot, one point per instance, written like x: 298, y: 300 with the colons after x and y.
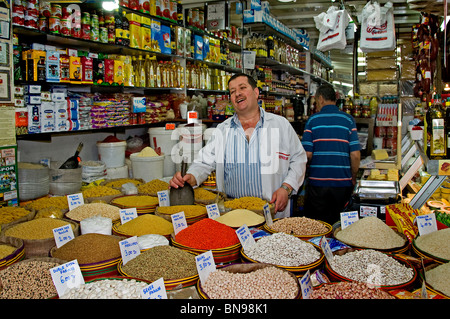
x: 326, y: 203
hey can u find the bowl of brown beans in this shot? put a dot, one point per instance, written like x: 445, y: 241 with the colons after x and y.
x: 349, y: 290
x: 301, y: 227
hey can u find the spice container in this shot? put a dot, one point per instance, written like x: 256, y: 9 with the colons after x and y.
x: 192, y: 213
x: 438, y: 279
x: 153, y: 187
x: 142, y: 225
x: 348, y: 290
x: 433, y: 246
x: 93, y: 209
x: 252, y: 203
x: 143, y: 203
x: 17, y: 254
x: 245, y: 281
x: 301, y: 227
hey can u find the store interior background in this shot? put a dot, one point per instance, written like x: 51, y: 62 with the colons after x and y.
x: 294, y: 14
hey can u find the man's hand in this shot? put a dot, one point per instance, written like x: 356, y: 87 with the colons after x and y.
x: 280, y: 198
x: 178, y: 180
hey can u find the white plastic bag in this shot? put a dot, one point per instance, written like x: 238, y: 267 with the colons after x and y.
x: 377, y: 27
x: 332, y: 25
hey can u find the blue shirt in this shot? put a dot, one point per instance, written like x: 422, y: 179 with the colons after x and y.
x: 242, y: 171
x: 331, y: 136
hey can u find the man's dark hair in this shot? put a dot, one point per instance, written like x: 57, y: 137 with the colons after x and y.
x: 327, y: 92
x: 251, y: 80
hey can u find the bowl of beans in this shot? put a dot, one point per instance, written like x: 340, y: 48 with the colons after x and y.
x: 12, y: 250
x: 249, y: 281
x: 349, y: 290
x: 301, y: 227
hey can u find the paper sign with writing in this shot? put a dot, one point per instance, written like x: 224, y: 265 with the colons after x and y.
x: 306, y: 285
x: 426, y: 224
x: 348, y: 218
x: 127, y: 214
x: 268, y: 215
x: 213, y: 211
x: 66, y: 277
x: 163, y: 198
x: 205, y: 265
x: 75, y: 200
x: 367, y: 211
x: 245, y: 237
x: 156, y: 290
x: 326, y: 249
x: 179, y: 222
x: 129, y: 249
x: 63, y: 235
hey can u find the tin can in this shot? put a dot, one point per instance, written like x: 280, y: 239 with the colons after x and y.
x: 66, y: 26
x: 54, y: 24
x: 86, y: 26
x: 31, y: 19
x: 43, y: 24
x: 18, y: 15
x: 32, y: 5
x: 56, y: 10
x: 95, y: 34
x: 103, y: 35
x: 45, y: 9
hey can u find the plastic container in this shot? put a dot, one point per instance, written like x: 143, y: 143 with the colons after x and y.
x: 112, y: 154
x: 166, y: 142
x: 191, y: 136
x: 117, y: 172
x: 147, y: 168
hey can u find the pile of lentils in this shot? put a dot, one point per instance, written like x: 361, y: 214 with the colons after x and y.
x: 349, y: 290
x: 161, y: 261
x: 301, y: 226
x: 107, y: 289
x: 265, y: 283
x: 29, y: 279
x: 283, y: 250
x: 369, y: 265
x: 89, y: 248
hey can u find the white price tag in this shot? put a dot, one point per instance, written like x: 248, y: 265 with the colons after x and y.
x: 179, y: 222
x: 127, y: 214
x: 348, y: 218
x: 75, y: 200
x: 205, y: 265
x: 426, y: 224
x: 326, y: 249
x: 306, y: 285
x: 249, y: 58
x: 245, y: 237
x: 156, y: 290
x: 213, y: 211
x: 63, y: 235
x: 66, y: 277
x: 267, y: 215
x: 163, y: 198
x: 129, y: 249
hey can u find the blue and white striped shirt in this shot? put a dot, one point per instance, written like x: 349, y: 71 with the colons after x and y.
x: 242, y: 169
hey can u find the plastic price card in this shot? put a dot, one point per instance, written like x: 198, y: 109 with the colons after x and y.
x: 75, y: 200
x: 179, y: 222
x: 426, y: 224
x: 267, y: 215
x: 129, y: 249
x: 156, y: 290
x: 170, y: 126
x: 348, y: 218
x: 306, y: 285
x: 205, y: 265
x: 213, y: 211
x: 326, y: 249
x: 245, y: 237
x: 163, y: 198
x: 127, y: 214
x: 66, y: 277
x: 63, y: 235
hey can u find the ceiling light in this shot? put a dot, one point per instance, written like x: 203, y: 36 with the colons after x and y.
x: 110, y: 5
x: 287, y: 0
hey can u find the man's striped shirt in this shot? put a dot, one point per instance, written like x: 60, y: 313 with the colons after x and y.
x: 331, y: 136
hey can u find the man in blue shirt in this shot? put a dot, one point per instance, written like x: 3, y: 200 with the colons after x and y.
x: 330, y: 140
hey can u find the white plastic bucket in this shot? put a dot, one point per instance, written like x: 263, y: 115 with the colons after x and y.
x: 117, y: 172
x: 191, y: 137
x: 112, y: 154
x: 147, y: 168
x: 166, y: 143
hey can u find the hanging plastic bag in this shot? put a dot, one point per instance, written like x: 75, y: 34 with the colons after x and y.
x: 377, y: 27
x: 332, y: 25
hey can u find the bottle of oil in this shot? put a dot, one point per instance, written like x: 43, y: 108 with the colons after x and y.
x: 147, y: 67
x: 435, y: 130
x: 158, y: 75
x: 141, y: 72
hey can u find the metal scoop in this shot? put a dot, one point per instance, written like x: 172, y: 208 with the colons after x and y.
x: 182, y: 195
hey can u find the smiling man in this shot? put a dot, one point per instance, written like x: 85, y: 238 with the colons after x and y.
x: 254, y: 153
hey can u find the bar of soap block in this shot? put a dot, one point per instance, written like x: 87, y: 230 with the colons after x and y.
x: 380, y: 154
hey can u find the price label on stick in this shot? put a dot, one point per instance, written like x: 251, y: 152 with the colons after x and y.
x: 426, y: 224
x: 129, y: 249
x: 213, y: 211
x: 326, y: 249
x: 63, y: 235
x: 163, y: 198
x: 179, y: 222
x: 156, y: 290
x: 306, y: 285
x: 75, y: 200
x: 127, y: 214
x: 66, y: 277
x: 205, y: 265
x: 268, y: 215
x: 348, y: 218
x: 245, y: 237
